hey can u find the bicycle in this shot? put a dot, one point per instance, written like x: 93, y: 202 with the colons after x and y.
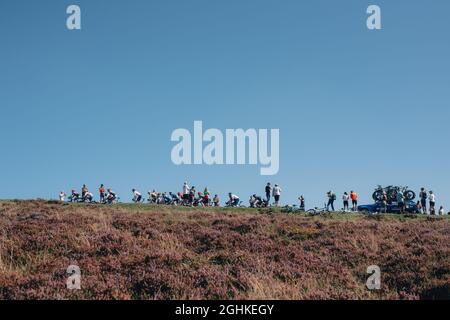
x: 317, y: 211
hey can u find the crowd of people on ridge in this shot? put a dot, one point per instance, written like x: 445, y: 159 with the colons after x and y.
x: 190, y: 197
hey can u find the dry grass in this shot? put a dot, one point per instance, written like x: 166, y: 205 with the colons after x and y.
x: 147, y: 252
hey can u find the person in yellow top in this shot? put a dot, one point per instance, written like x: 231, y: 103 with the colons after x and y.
x: 216, y: 200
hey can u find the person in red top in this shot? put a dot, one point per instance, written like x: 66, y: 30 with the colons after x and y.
x: 206, y: 196
x: 102, y: 193
x: 354, y: 197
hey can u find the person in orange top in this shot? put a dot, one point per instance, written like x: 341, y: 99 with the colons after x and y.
x: 354, y: 197
x: 102, y: 193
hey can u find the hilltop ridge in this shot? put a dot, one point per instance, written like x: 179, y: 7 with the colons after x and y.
x: 157, y: 252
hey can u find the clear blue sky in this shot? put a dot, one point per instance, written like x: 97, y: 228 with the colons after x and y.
x: 355, y: 108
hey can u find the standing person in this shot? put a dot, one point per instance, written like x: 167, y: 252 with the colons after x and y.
x: 192, y: 195
x: 216, y: 200
x: 432, y: 203
x: 62, y: 196
x: 84, y: 190
x: 302, y: 203
x: 206, y: 197
x: 277, y: 194
x: 423, y: 200
x: 354, y: 197
x: 345, y: 200
x: 331, y: 198
x: 400, y: 202
x: 384, y: 201
x: 186, y: 192
x: 268, y: 192
x: 101, y: 190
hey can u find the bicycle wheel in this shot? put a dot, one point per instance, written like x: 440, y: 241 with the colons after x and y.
x: 377, y: 195
x: 410, y: 195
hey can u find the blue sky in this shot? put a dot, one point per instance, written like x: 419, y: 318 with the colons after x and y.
x: 355, y: 108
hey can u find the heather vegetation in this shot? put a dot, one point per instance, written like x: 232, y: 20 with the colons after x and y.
x: 158, y: 252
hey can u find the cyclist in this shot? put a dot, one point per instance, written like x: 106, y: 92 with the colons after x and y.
x: 152, y: 196
x: 167, y: 198
x: 75, y: 196
x: 137, y: 196
x: 255, y: 201
x: 234, y: 200
x: 199, y: 200
x: 111, y: 197
x: 88, y: 197
x: 175, y: 198
x: 216, y: 200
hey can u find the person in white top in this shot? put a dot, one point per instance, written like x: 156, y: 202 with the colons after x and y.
x: 186, y: 188
x: 137, y: 196
x: 234, y: 200
x: 186, y: 193
x: 441, y: 211
x: 88, y: 197
x: 62, y: 196
x: 276, y: 194
x: 345, y: 200
x: 432, y: 199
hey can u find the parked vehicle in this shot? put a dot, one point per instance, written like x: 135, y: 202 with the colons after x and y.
x: 410, y: 207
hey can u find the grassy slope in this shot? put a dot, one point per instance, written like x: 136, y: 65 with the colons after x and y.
x: 148, y: 252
